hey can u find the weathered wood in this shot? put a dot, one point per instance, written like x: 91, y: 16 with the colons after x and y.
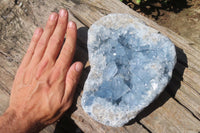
x: 18, y: 21
x: 10, y: 51
x: 97, y: 9
x: 83, y: 9
x: 192, y: 103
x: 11, y: 55
x: 186, y: 96
x: 6, y: 80
x: 191, y: 78
x: 171, y: 118
x: 4, y: 100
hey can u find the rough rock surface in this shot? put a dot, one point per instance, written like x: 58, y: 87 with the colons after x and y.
x: 131, y: 64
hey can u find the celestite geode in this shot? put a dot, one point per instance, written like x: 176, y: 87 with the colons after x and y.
x: 131, y: 64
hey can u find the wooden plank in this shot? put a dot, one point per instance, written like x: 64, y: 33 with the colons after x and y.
x: 14, y: 44
x: 5, y: 5
x: 97, y: 9
x: 20, y: 31
x: 16, y: 30
x: 10, y: 58
x: 81, y: 11
x: 186, y: 95
x: 86, y: 9
x: 190, y: 77
x: 4, y: 100
x: 171, y: 118
x: 81, y: 56
x: 33, y: 17
x: 6, y: 80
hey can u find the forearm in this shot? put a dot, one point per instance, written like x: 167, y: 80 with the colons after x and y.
x: 11, y: 123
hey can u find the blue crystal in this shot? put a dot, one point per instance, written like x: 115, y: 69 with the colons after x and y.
x: 131, y: 63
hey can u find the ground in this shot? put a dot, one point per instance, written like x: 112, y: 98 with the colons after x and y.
x: 182, y: 17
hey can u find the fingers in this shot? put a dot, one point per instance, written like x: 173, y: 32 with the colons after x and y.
x: 67, y: 53
x: 42, y: 43
x: 28, y: 56
x: 56, y: 40
x: 72, y: 79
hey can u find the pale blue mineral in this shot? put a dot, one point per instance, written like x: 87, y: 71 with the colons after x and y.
x: 131, y: 64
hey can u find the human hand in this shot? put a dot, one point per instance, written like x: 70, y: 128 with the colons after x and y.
x: 45, y: 81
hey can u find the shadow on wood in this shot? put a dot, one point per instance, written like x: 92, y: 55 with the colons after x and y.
x: 67, y: 125
x: 177, y: 75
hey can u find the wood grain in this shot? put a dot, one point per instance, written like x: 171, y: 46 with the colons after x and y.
x: 97, y: 9
x: 25, y: 18
x: 171, y: 117
x: 187, y: 70
x: 17, y: 23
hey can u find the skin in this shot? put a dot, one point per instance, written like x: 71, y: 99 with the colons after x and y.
x: 45, y: 82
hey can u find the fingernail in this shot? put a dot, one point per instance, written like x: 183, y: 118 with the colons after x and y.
x: 71, y: 24
x: 63, y: 13
x: 79, y: 67
x: 53, y: 17
x: 37, y: 31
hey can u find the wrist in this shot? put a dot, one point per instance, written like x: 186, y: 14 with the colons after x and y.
x: 11, y: 122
